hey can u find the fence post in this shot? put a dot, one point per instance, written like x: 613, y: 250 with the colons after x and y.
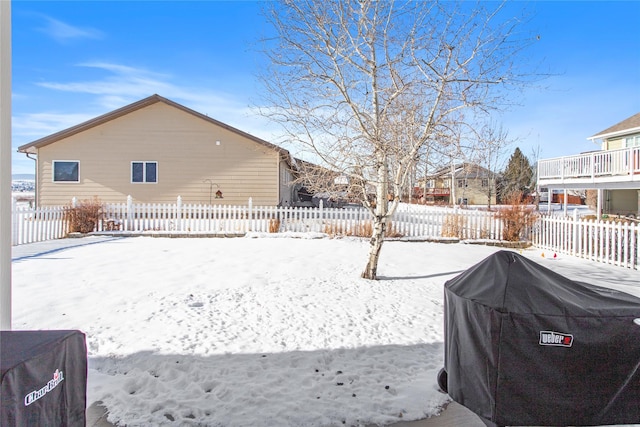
x: 250, y: 214
x: 575, y: 231
x: 635, y: 235
x: 14, y: 222
x: 74, y: 202
x: 129, y: 219
x: 179, y: 214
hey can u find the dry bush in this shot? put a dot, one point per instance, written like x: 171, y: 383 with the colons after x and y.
x: 361, y: 229
x: 364, y: 229
x: 337, y: 229
x: 453, y: 225
x: 331, y: 229
x: 274, y: 225
x: 84, y: 216
x: 516, y: 218
x: 391, y: 231
x: 484, y: 233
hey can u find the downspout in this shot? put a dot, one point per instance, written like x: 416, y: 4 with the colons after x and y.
x: 279, y: 169
x: 35, y: 182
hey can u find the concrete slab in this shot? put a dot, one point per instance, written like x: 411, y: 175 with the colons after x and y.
x: 97, y: 416
x: 454, y: 415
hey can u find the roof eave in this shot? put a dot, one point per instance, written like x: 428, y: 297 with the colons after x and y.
x: 96, y: 121
x: 613, y: 134
x: 33, y: 146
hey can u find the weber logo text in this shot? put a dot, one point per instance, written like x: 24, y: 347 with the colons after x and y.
x: 556, y: 339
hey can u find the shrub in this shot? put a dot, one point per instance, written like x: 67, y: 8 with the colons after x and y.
x: 364, y: 229
x: 517, y: 218
x: 453, y: 225
x: 274, y: 225
x: 84, y: 216
x: 391, y: 231
x: 361, y: 229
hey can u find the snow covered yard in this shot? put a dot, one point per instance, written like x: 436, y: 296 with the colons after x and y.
x: 258, y: 331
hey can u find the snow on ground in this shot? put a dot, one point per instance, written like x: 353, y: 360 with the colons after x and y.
x: 257, y: 331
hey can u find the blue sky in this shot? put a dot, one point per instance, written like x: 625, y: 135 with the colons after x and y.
x: 75, y: 60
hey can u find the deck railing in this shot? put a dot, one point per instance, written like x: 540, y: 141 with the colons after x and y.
x: 623, y: 164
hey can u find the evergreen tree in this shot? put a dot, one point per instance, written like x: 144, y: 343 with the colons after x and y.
x: 517, y: 176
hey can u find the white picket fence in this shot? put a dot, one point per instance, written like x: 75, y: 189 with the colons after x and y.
x: 408, y: 220
x: 29, y: 225
x: 602, y: 241
x: 411, y: 221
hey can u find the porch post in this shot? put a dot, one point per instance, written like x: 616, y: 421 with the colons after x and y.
x: 5, y: 165
x: 599, y: 205
x: 564, y: 202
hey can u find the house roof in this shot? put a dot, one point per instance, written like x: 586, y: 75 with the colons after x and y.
x: 625, y: 127
x: 463, y: 170
x: 153, y: 99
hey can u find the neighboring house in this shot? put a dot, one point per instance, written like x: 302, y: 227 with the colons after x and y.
x: 472, y: 185
x: 613, y: 171
x: 156, y: 150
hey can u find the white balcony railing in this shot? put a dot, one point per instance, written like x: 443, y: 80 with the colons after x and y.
x: 622, y: 165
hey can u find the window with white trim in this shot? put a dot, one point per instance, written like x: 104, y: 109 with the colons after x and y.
x: 144, y: 172
x: 632, y: 141
x: 66, y: 171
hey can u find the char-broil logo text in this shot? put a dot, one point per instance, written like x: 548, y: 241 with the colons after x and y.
x: 556, y: 339
x: 58, y: 377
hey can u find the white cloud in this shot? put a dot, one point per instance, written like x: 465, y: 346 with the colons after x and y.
x: 63, y: 32
x: 125, y: 84
x: 28, y: 127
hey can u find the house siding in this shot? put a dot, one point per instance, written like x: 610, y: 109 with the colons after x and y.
x: 615, y: 144
x: 286, y: 185
x: 190, y: 162
x: 474, y: 192
x: 621, y: 201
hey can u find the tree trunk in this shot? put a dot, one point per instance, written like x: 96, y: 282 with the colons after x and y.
x: 379, y: 218
x: 379, y: 228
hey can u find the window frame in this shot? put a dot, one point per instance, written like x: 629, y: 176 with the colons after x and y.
x: 53, y: 172
x: 144, y: 164
x: 632, y: 141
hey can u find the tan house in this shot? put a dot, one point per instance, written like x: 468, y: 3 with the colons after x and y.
x: 462, y: 184
x: 613, y: 172
x: 156, y: 150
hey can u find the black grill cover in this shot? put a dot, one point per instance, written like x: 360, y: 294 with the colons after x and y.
x: 44, y: 378
x: 527, y: 346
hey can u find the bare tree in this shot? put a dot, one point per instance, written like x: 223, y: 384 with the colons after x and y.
x: 365, y: 85
x: 492, y: 141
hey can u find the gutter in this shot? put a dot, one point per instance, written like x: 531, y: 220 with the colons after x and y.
x: 35, y: 182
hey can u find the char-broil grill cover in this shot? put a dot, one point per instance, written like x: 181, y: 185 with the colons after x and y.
x: 527, y: 346
x: 43, y: 378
